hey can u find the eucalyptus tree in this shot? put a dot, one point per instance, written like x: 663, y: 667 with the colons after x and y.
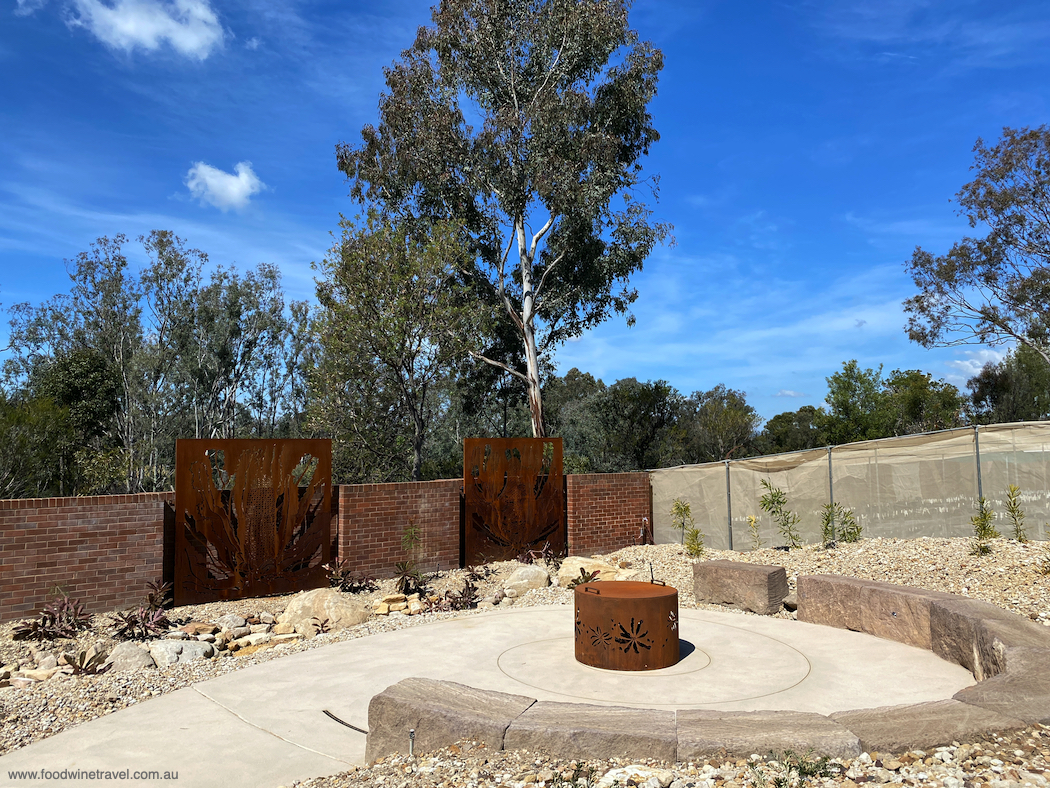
x: 525, y: 122
x: 996, y: 288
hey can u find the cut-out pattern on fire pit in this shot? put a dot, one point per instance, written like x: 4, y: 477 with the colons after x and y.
x: 513, y: 497
x: 252, y: 517
x: 612, y: 628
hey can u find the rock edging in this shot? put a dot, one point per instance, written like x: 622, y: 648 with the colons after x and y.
x: 1008, y: 655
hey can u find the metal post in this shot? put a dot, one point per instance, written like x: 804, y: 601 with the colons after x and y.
x: 977, y: 456
x: 729, y: 507
x: 411, y: 742
x: 831, y: 495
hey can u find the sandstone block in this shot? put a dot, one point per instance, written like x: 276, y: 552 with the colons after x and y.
x: 441, y: 713
x: 526, y: 578
x: 230, y: 621
x: 341, y: 610
x: 702, y: 733
x: 284, y: 629
x: 381, y: 609
x: 200, y: 628
x: 755, y: 587
x: 922, y: 725
x: 396, y: 606
x: 976, y: 634
x: 130, y: 656
x: 885, y: 610
x: 577, y: 730
x: 1022, y: 690
x: 571, y: 566
x: 392, y: 598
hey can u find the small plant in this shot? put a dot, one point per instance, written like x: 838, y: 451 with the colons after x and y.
x: 584, y: 577
x: 847, y: 530
x: 339, y: 576
x: 983, y: 530
x: 409, y: 579
x: 411, y: 537
x: 545, y: 555
x: 1015, y: 512
x: 753, y: 532
x: 61, y: 619
x: 692, y: 536
x: 788, y: 769
x: 140, y: 624
x: 87, y: 662
x: 465, y: 599
x: 157, y: 595
x: 322, y: 625
x: 774, y: 503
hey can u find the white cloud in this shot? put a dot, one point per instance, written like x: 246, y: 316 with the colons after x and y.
x: 190, y: 27
x: 252, y: 43
x: 975, y: 361
x: 222, y: 189
x: 788, y: 393
x: 27, y: 7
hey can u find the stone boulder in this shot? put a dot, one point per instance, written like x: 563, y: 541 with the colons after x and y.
x: 755, y: 587
x: 703, y: 733
x: 571, y: 566
x: 441, y: 713
x: 573, y: 730
x: 231, y: 621
x: 525, y: 579
x: 130, y: 656
x: 170, y: 652
x: 339, y: 609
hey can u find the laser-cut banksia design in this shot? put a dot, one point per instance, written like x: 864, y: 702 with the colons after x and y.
x: 252, y: 517
x: 514, y: 498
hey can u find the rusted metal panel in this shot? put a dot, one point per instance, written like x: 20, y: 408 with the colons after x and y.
x: 252, y: 517
x: 624, y: 625
x: 513, y: 497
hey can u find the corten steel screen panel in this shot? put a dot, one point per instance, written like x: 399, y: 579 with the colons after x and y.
x: 514, y: 498
x: 252, y: 517
x: 626, y: 625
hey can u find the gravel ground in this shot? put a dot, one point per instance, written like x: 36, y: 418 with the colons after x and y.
x: 1010, y: 577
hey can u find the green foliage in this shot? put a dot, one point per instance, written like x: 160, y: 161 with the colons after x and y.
x: 394, y: 322
x: 322, y: 625
x: 63, y: 618
x: 1015, y: 389
x: 983, y: 530
x: 558, y: 94
x: 753, y: 532
x: 992, y: 289
x: 584, y: 577
x: 87, y: 662
x: 789, y: 769
x: 837, y: 524
x: 774, y: 503
x: 793, y: 431
x: 411, y: 537
x: 464, y: 599
x: 1015, y: 512
x: 682, y: 520
x: 717, y: 425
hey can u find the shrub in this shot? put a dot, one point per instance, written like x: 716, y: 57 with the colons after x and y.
x: 788, y: 769
x: 339, y: 576
x: 61, y: 619
x: 983, y: 530
x: 1015, y: 512
x: 157, y: 595
x: 140, y: 624
x: 584, y: 577
x: 848, y: 530
x: 409, y: 579
x: 692, y: 536
x: 774, y: 503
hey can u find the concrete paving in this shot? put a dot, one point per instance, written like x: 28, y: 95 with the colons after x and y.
x: 265, y: 726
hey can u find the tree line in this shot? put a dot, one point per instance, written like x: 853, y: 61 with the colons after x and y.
x: 501, y: 200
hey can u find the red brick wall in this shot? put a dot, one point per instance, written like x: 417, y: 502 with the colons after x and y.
x: 605, y: 510
x: 372, y: 519
x: 102, y: 550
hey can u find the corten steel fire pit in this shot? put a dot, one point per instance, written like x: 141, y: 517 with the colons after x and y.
x: 624, y: 625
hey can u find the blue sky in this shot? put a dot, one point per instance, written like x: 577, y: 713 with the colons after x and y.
x: 807, y: 148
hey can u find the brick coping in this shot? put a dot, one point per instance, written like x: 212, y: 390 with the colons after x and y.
x: 1008, y: 655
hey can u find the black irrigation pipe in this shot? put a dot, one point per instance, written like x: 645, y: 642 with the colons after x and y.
x: 342, y: 722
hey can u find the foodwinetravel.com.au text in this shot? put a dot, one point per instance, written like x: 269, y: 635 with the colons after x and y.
x: 90, y: 774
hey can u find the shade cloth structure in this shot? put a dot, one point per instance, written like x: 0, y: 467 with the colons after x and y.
x: 906, y: 487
